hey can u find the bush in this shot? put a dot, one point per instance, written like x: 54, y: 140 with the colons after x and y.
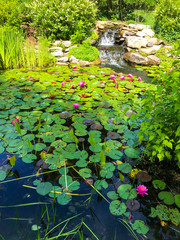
x: 160, y: 117
x: 84, y: 52
x: 10, y: 13
x: 61, y: 17
x: 167, y: 21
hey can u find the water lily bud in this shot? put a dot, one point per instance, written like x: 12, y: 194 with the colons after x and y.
x: 13, y: 121
x: 81, y: 84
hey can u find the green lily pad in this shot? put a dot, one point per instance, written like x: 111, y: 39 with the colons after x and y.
x: 85, y: 172
x: 158, y: 184
x: 2, y: 175
x: 132, y: 153
x: 140, y: 227
x: 125, y: 167
x: 96, y: 148
x: 44, y: 188
x: 81, y: 163
x: 107, y: 171
x: 99, y: 184
x: 112, y: 195
x: 126, y: 191
x: 56, y: 190
x: 177, y: 200
x: 67, y: 181
x: 95, y: 158
x: 39, y: 146
x: 175, y: 215
x: 35, y: 227
x: 64, y: 199
x: 167, y: 197
x: 115, y: 154
x: 117, y: 208
x: 113, y: 144
x: 29, y: 158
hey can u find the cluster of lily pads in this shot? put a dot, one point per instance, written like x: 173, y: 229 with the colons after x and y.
x: 78, y: 121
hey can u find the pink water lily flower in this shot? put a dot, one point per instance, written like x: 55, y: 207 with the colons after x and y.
x: 141, y: 189
x: 28, y: 89
x: 63, y: 83
x: 112, y: 77
x: 130, y: 75
x: 171, y: 69
x: 72, y: 85
x: 81, y: 84
x: 74, y: 67
x: 13, y: 121
x: 139, y: 78
x: 75, y: 105
x: 122, y: 77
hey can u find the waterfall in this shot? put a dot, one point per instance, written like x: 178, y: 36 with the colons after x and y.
x: 107, y: 38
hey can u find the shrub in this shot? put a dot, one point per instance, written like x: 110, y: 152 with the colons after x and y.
x: 61, y: 17
x: 84, y: 52
x: 167, y: 21
x: 160, y: 117
x: 10, y: 13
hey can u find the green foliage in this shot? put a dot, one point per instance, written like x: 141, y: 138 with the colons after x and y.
x: 84, y: 52
x: 10, y: 13
x: 167, y: 21
x: 160, y: 117
x: 63, y: 18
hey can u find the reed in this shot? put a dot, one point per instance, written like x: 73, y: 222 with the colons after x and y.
x: 16, y: 51
x: 11, y: 47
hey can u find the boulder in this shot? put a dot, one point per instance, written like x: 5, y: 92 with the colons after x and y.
x: 127, y: 33
x: 57, y: 54
x: 67, y: 44
x: 153, y: 41
x: 139, y: 26
x: 137, y: 58
x: 136, y: 42
x: 153, y: 60
x: 55, y: 48
x: 151, y: 50
x: 148, y: 32
x: 63, y: 59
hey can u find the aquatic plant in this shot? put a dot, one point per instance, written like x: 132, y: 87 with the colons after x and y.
x: 141, y: 189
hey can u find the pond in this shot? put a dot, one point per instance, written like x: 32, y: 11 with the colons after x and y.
x: 69, y: 157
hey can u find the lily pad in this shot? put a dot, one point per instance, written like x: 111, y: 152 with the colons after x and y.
x: 2, y: 175
x: 125, y: 167
x: 177, y: 200
x: 158, y: 184
x: 140, y: 227
x: 143, y: 176
x: 132, y: 153
x: 117, y: 208
x: 113, y: 144
x: 133, y: 204
x: 112, y: 195
x: 85, y: 172
x: 64, y: 199
x: 167, y: 197
x: 107, y: 171
x: 96, y: 126
x: 115, y: 154
x: 113, y: 135
x: 99, y: 184
x: 44, y: 188
x: 126, y: 191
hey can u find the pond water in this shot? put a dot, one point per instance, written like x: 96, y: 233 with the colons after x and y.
x: 40, y: 102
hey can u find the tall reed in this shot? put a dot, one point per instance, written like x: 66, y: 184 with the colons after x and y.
x: 15, y: 51
x: 11, y: 49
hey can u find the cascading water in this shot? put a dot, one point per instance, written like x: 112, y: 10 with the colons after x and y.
x: 112, y: 55
x: 107, y: 38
